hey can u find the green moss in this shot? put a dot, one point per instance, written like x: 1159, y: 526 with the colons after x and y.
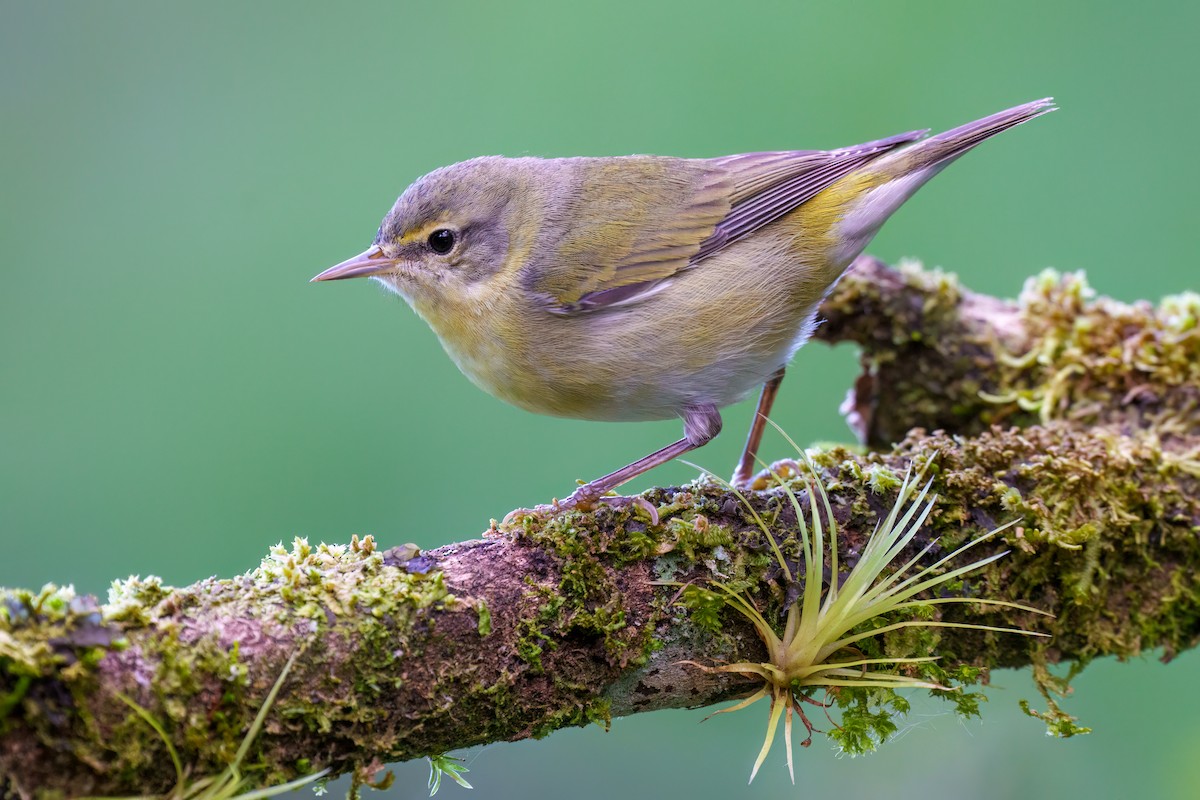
x: 348, y: 586
x: 532, y: 638
x: 598, y: 711
x: 590, y: 549
x: 1058, y: 722
x: 880, y: 478
x: 47, y: 633
x: 867, y: 718
x: 131, y: 600
x: 485, y: 617
x: 11, y: 698
x: 695, y: 537
x: 705, y: 606
x: 962, y: 363
x: 1090, y: 357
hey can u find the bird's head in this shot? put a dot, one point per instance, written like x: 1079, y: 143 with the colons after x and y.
x: 450, y: 234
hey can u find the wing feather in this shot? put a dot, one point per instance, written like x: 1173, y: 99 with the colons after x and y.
x: 628, y: 224
x: 772, y: 185
x: 632, y: 223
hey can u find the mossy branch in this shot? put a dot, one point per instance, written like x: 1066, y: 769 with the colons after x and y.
x: 570, y: 619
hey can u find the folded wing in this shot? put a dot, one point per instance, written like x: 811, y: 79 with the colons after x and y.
x: 642, y: 220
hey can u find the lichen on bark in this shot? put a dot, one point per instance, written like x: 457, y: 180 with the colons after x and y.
x: 1074, y: 416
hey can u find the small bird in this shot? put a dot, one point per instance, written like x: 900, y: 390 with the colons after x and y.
x: 644, y: 287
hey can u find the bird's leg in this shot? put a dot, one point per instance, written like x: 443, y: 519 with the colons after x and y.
x: 700, y: 425
x: 745, y: 467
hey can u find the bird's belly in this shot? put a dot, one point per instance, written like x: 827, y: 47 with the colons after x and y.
x: 627, y: 389
x: 619, y: 367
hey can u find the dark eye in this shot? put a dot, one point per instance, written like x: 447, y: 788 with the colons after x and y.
x: 441, y: 241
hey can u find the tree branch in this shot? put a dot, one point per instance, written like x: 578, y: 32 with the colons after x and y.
x: 563, y: 620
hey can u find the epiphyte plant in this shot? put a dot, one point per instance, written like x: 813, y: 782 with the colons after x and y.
x: 822, y: 626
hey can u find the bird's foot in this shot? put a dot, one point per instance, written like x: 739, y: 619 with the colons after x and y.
x: 537, y: 512
x: 588, y: 496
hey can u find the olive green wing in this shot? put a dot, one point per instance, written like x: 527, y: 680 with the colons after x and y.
x: 621, y: 226
x: 632, y: 223
x: 768, y: 186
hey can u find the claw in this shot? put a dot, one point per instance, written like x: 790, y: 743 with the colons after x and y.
x: 638, y: 501
x: 539, y: 511
x: 585, y: 498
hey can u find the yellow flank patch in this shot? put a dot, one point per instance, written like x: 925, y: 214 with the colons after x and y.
x: 828, y: 206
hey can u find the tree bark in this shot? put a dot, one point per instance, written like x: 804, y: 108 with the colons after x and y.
x: 1077, y: 418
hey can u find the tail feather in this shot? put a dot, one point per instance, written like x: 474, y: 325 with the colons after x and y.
x: 944, y: 148
x: 874, y: 192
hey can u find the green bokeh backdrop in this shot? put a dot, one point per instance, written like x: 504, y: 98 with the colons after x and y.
x: 175, y: 397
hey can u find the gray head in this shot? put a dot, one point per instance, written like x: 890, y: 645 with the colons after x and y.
x: 452, y: 227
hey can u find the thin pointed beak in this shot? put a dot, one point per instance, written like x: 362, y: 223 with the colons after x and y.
x: 365, y: 264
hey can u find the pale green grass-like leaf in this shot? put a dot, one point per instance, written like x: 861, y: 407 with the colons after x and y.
x: 441, y: 765
x: 815, y: 649
x: 229, y: 783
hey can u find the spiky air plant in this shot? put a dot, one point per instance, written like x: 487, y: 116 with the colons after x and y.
x: 817, y: 647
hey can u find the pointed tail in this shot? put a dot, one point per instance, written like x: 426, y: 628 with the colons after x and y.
x: 872, y: 193
x: 940, y: 150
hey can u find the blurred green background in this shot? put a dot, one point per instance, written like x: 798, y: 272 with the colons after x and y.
x: 175, y: 397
